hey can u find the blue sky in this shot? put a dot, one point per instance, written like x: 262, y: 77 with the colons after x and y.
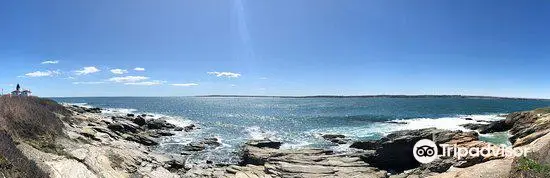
x: 283, y: 47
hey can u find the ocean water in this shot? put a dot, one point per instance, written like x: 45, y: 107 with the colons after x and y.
x: 299, y: 122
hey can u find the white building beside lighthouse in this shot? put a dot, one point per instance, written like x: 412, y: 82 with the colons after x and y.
x: 18, y: 92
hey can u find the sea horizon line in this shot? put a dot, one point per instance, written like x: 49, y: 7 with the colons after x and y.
x: 317, y: 96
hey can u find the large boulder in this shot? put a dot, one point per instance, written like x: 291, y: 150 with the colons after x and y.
x: 497, y: 126
x: 365, y: 145
x: 394, y: 152
x: 159, y: 124
x: 123, y: 126
x: 139, y: 121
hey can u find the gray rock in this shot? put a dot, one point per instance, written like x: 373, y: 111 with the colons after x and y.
x: 365, y: 145
x: 393, y: 152
x: 265, y: 144
x: 336, y: 138
x: 174, y: 165
x: 202, y: 145
x: 93, y: 110
x: 194, y: 146
x: 116, y: 127
x: 144, y: 140
x: 497, y: 126
x: 159, y: 124
x: 189, y: 128
x: 160, y: 133
x: 140, y: 121
x: 304, y: 163
x: 473, y: 126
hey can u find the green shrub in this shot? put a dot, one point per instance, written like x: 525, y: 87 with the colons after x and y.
x: 526, y: 164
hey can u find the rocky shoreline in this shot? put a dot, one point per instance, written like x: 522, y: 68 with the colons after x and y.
x: 97, y: 145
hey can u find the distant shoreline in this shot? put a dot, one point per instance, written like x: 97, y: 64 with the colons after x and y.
x: 371, y: 96
x: 316, y: 96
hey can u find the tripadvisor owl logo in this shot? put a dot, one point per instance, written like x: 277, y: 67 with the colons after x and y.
x: 425, y: 151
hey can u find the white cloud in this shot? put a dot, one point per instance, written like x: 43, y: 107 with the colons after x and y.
x: 87, y: 83
x: 119, y: 71
x: 139, y: 69
x: 225, y: 74
x: 147, y: 83
x: 87, y: 70
x: 263, y: 78
x: 50, y: 62
x: 47, y: 73
x: 128, y: 79
x: 185, y: 84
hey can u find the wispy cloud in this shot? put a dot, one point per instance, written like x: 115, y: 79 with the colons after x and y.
x: 50, y: 62
x: 47, y: 73
x: 119, y: 71
x: 139, y: 69
x: 263, y: 78
x: 146, y: 83
x: 87, y: 70
x: 87, y: 83
x: 128, y: 79
x: 225, y: 74
x: 185, y: 84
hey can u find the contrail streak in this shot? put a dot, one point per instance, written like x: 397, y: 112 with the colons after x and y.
x: 242, y: 28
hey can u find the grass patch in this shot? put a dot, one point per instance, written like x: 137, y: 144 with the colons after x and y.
x: 13, y: 163
x: 526, y: 164
x: 542, y: 110
x: 3, y: 161
x: 116, y: 160
x: 31, y: 118
x: 46, y: 146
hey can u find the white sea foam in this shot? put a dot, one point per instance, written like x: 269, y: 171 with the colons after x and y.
x: 256, y: 133
x: 296, y: 144
x: 384, y: 128
x: 77, y: 104
x: 118, y: 111
x: 448, y: 123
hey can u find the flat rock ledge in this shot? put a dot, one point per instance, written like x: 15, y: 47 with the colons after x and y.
x: 262, y: 158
